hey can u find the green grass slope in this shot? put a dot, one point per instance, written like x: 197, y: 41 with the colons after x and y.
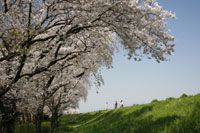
x: 173, y: 115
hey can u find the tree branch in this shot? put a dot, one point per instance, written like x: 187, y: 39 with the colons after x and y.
x: 5, y: 6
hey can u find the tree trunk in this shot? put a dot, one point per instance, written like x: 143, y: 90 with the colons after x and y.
x: 25, y: 117
x: 38, y: 120
x: 8, y: 119
x: 8, y: 126
x: 54, y: 121
x: 38, y: 124
x: 7, y: 123
x: 54, y: 117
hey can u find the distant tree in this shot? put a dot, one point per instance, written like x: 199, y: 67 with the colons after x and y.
x: 37, y: 36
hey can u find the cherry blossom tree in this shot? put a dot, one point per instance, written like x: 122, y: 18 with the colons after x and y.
x: 62, y: 87
x: 37, y: 37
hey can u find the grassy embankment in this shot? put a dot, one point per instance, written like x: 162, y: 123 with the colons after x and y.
x: 173, y: 115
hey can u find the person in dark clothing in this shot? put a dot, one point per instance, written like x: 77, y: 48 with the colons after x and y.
x: 116, y: 104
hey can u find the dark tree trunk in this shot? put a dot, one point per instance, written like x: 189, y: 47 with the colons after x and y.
x: 38, y: 124
x: 38, y: 120
x: 8, y: 118
x: 8, y: 126
x: 54, y: 120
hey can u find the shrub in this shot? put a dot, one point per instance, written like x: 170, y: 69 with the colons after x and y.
x: 153, y: 101
x: 183, y: 95
x: 170, y: 98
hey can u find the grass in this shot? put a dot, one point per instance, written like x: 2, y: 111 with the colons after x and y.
x: 173, y: 115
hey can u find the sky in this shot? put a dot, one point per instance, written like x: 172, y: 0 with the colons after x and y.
x: 141, y: 82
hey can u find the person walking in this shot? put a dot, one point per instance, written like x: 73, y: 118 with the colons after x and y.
x: 106, y: 106
x: 116, y: 104
x: 121, y: 104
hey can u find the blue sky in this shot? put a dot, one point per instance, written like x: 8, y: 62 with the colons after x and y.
x: 142, y: 82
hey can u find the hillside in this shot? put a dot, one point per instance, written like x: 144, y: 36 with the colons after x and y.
x: 173, y: 115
